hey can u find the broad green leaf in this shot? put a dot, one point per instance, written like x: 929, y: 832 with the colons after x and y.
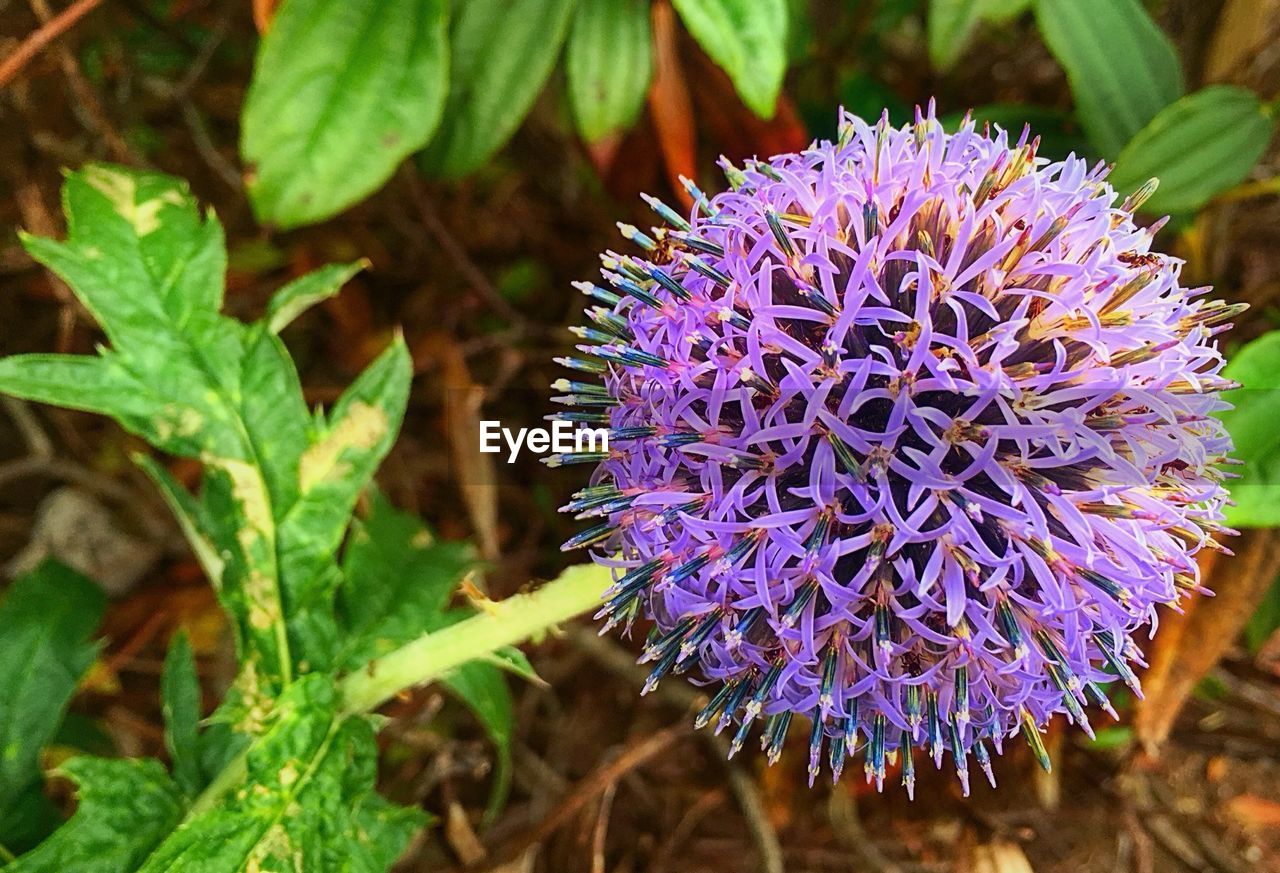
x: 126, y: 807
x: 747, y: 39
x: 47, y: 617
x: 180, y: 704
x: 503, y: 52
x: 608, y: 63
x: 1197, y: 147
x: 301, y: 294
x: 397, y: 581
x: 483, y: 688
x: 342, y: 92
x: 1121, y: 66
x: 1252, y: 425
x: 308, y: 804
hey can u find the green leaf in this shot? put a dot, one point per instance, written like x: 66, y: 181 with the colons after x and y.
x: 308, y: 804
x: 126, y: 808
x: 1252, y: 425
x: 1121, y: 66
x: 503, y: 52
x: 335, y: 467
x: 1197, y: 147
x: 397, y: 581
x: 180, y: 704
x: 191, y: 516
x: 483, y: 688
x: 1004, y: 11
x: 1112, y: 737
x: 342, y: 92
x: 608, y: 63
x: 301, y: 294
x: 747, y: 39
x: 950, y: 24
x: 47, y: 618
x: 278, y: 483
x: 514, y: 662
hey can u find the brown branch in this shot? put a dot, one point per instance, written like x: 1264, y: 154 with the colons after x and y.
x: 45, y: 34
x: 586, y: 790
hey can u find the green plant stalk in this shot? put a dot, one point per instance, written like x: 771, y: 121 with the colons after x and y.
x: 500, y: 623
x: 577, y: 590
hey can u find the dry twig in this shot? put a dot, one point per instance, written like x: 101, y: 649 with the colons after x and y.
x: 45, y: 34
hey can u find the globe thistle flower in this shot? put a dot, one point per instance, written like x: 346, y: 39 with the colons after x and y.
x: 910, y: 434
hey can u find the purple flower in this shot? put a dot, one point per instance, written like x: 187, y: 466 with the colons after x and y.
x: 909, y: 434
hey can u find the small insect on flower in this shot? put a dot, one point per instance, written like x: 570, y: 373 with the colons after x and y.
x: 910, y: 434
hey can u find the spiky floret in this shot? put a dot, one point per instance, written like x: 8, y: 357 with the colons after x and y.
x: 912, y: 433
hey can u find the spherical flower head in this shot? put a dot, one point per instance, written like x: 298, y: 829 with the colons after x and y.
x: 910, y: 433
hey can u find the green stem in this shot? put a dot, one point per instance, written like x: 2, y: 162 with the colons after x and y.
x: 502, y: 623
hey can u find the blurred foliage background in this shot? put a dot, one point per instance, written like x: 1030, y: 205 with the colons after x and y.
x: 477, y: 154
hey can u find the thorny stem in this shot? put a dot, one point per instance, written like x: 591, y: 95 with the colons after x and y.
x: 501, y: 623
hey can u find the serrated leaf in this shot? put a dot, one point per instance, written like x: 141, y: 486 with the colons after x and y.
x: 311, y: 805
x: 608, y: 64
x: 278, y: 484
x: 1198, y: 146
x: 302, y: 293
x: 126, y: 807
x: 47, y: 618
x: 502, y: 53
x: 1121, y: 66
x: 747, y: 39
x: 180, y: 705
x: 336, y: 466
x: 342, y: 92
x: 397, y: 581
x: 1252, y: 425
